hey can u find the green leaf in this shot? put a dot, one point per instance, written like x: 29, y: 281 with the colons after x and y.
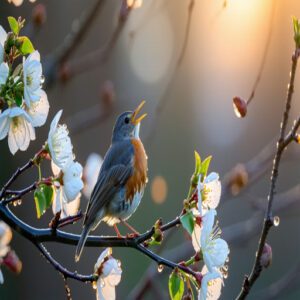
x: 25, y: 45
x: 18, y: 98
x: 43, y: 197
x: 197, y: 162
x: 204, y: 167
x: 296, y: 26
x: 188, y: 222
x: 176, y: 286
x: 14, y: 25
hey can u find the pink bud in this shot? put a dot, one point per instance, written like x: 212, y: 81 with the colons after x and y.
x: 198, y: 277
x: 12, y: 262
x: 64, y: 72
x: 107, y: 93
x: 240, y: 107
x: 39, y: 14
x: 266, y: 257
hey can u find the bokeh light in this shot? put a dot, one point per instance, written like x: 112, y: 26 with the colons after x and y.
x: 159, y: 189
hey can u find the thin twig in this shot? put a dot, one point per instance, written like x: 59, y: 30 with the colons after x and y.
x: 65, y: 50
x: 101, y: 55
x: 268, y: 222
x: 20, y: 193
x: 265, y: 53
x: 187, y: 33
x: 65, y: 272
x: 18, y: 172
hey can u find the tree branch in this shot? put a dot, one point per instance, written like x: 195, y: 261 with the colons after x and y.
x: 65, y: 272
x: 268, y: 221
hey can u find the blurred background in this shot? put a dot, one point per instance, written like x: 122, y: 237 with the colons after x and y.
x: 187, y: 63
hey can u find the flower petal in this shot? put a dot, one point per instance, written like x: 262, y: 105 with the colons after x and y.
x: 38, y: 111
x: 72, y: 180
x: 4, y: 71
x: 3, y: 36
x: 90, y: 173
x: 211, y: 285
x: 207, y: 222
x: 219, y: 254
x: 102, y: 256
x: 4, y: 124
x: 71, y: 208
x: 196, y: 238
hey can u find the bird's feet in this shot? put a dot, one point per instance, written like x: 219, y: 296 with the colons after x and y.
x: 131, y: 235
x: 119, y: 235
x: 135, y: 232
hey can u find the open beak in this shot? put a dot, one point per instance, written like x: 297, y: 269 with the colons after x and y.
x: 134, y: 120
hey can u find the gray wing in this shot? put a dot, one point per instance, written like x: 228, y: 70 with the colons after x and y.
x: 115, y: 171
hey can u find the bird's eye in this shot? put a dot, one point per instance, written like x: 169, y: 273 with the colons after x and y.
x: 126, y: 120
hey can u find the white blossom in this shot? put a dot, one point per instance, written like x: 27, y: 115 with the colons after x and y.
x: 214, y: 249
x: 90, y: 173
x: 4, y: 71
x: 211, y: 285
x: 18, y: 125
x: 3, y: 36
x: 5, y: 238
x: 109, y: 277
x: 67, y: 197
x: 209, y: 193
x: 59, y: 142
x: 32, y: 76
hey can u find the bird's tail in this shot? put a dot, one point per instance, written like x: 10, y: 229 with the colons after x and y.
x: 82, y: 240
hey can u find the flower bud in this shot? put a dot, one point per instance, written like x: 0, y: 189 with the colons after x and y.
x: 12, y: 262
x: 266, y: 257
x: 39, y: 14
x: 240, y: 107
x: 238, y: 179
x: 107, y: 93
x: 64, y: 73
x: 199, y: 277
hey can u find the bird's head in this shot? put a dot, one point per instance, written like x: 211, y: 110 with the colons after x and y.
x: 128, y: 124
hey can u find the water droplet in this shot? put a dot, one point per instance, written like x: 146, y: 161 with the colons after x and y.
x: 225, y: 268
x: 119, y: 263
x: 94, y: 285
x: 19, y: 202
x: 276, y: 221
x: 227, y: 260
x: 15, y: 203
x: 225, y: 275
x: 160, y: 268
x: 42, y: 79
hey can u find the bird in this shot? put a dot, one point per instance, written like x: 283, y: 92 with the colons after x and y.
x: 122, y: 178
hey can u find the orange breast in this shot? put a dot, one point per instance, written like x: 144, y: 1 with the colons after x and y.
x: 139, y: 178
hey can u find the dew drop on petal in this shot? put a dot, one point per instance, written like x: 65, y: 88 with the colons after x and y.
x: 42, y: 79
x: 276, y: 221
x: 160, y: 268
x: 94, y: 285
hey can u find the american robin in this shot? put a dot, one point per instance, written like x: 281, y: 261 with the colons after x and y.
x: 122, y: 178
